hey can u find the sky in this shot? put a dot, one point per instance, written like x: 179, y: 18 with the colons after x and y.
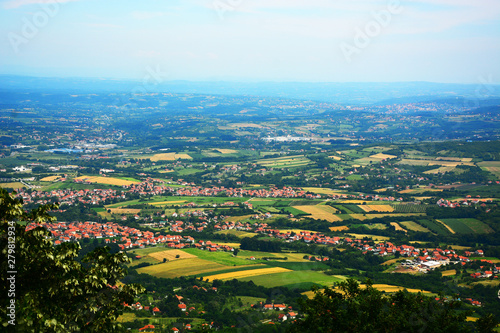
x: 449, y: 41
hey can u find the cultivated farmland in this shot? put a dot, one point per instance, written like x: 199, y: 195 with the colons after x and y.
x: 320, y: 212
x: 467, y: 226
x: 291, y: 279
x: 410, y: 225
x: 185, y: 267
x: 169, y: 157
x: 247, y: 273
x: 106, y: 180
x: 171, y: 255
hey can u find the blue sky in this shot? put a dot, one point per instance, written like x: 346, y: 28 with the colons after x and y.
x: 254, y: 40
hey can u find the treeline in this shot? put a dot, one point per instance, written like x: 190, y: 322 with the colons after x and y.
x: 254, y: 244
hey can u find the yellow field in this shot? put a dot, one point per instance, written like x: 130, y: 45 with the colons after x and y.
x: 185, y: 267
x: 353, y: 201
x: 341, y: 228
x: 171, y: 255
x: 442, y: 169
x: 337, y: 158
x: 472, y: 318
x: 449, y: 272
x: 170, y: 157
x: 447, y: 227
x: 107, y: 180
x: 366, y: 208
x: 374, y: 237
x: 124, y: 211
x: 392, y: 289
x: 381, y: 208
x: 50, y: 178
x: 398, y: 227
x: 383, y: 156
x: 322, y: 190
x: 226, y: 151
x: 165, y: 202
x: 14, y: 185
x: 249, y: 273
x: 320, y: 212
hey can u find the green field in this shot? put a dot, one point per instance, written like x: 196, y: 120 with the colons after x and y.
x: 238, y: 233
x: 294, y: 279
x: 223, y: 258
x: 435, y: 227
x: 410, y: 225
x: 468, y: 226
x: 409, y: 208
x: 298, y: 266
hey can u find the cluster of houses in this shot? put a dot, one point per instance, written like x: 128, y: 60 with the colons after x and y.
x: 468, y: 201
x: 152, y: 186
x: 486, y: 271
x: 125, y: 237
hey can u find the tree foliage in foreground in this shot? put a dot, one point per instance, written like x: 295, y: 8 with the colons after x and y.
x: 53, y: 291
x: 354, y: 309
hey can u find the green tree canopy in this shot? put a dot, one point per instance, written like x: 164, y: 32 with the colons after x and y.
x: 54, y: 292
x: 354, y: 309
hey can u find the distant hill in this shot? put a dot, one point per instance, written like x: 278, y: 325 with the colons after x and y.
x: 341, y: 93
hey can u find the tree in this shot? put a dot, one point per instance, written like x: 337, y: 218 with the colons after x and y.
x: 53, y: 291
x: 356, y: 309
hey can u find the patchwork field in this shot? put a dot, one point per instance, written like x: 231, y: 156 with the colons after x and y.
x: 284, y: 162
x: 321, y: 212
x: 467, y: 226
x: 107, y: 180
x: 185, y: 267
x: 491, y: 166
x: 169, y: 157
x: 247, y: 273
